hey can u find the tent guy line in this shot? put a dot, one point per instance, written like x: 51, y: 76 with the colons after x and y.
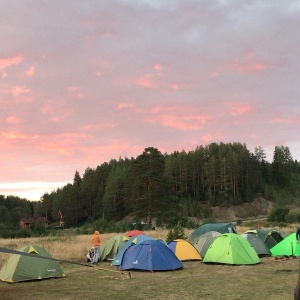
x: 6, y: 250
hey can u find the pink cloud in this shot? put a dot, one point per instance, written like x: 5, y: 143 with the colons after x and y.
x: 158, y: 67
x: 215, y: 74
x: 145, y: 81
x: 207, y: 138
x: 124, y: 105
x: 13, y: 120
x: 9, y: 61
x: 60, y: 118
x: 279, y: 120
x: 76, y: 91
x: 238, y: 109
x: 30, y: 72
x: 250, y: 64
x: 19, y: 90
x: 178, y: 117
x: 46, y: 109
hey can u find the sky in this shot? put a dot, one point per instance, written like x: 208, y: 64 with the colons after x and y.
x: 84, y: 82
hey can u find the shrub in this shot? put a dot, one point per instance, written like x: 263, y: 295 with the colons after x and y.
x: 23, y: 233
x: 278, y: 214
x: 177, y: 232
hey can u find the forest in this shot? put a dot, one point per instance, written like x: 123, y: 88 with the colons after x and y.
x: 166, y: 187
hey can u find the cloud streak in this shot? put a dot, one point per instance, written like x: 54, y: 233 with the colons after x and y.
x: 86, y: 82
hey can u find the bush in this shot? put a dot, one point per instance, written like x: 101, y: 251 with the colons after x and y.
x: 278, y: 214
x: 23, y: 233
x: 175, y: 233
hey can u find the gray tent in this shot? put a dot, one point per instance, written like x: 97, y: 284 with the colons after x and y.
x: 203, y: 242
x: 257, y: 243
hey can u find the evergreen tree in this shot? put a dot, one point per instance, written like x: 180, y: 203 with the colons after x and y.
x: 175, y: 233
x: 151, y: 190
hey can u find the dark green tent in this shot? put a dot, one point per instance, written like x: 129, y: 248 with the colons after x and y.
x: 22, y: 267
x: 259, y: 246
x: 270, y: 237
x: 219, y: 227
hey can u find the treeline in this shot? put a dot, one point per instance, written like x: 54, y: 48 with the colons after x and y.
x: 167, y: 187
x: 180, y: 184
x: 12, y: 209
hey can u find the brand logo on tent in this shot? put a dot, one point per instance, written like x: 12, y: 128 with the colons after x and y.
x: 51, y: 270
x: 135, y: 262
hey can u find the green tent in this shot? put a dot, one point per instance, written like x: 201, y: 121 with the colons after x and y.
x: 22, y: 268
x: 288, y: 246
x: 112, y: 246
x: 233, y: 249
x: 219, y: 227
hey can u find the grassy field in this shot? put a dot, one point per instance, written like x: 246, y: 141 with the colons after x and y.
x: 271, y: 279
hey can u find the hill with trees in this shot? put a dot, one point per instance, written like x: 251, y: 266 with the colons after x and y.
x: 171, y: 187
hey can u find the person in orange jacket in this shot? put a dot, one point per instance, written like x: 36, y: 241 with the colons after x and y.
x: 96, y: 242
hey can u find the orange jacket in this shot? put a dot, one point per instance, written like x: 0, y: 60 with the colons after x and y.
x: 96, y: 241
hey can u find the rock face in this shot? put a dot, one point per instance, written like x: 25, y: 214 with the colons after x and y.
x: 259, y: 207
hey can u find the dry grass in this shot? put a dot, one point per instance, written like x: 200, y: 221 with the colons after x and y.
x: 272, y: 279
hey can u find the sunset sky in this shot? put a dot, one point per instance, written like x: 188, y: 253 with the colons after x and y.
x: 84, y: 82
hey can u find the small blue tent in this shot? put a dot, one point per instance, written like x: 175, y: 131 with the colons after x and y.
x: 151, y: 255
x: 132, y: 241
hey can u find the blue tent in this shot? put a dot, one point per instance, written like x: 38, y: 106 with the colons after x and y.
x: 132, y: 241
x: 151, y: 255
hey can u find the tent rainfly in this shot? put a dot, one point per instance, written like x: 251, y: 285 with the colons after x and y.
x: 184, y: 250
x: 219, y: 227
x: 132, y: 241
x: 22, y: 268
x: 233, y: 249
x: 288, y: 246
x: 112, y: 246
x: 259, y: 246
x: 151, y: 255
x: 203, y: 242
x: 270, y: 237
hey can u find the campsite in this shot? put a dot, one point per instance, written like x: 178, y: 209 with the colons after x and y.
x: 270, y: 279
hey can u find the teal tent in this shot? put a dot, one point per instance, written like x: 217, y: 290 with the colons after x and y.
x: 288, y: 246
x: 233, y: 249
x: 22, y: 268
x: 219, y: 227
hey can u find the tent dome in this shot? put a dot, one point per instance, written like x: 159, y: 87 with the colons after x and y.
x: 151, y: 255
x: 184, y: 250
x: 230, y: 248
x: 23, y: 267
